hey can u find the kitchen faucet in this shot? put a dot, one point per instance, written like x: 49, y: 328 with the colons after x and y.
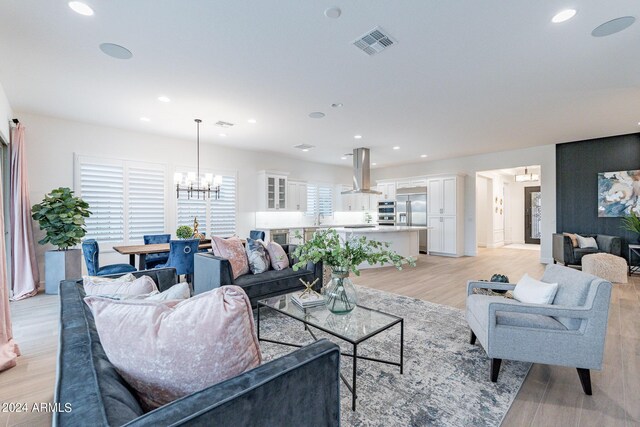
x: 318, y: 220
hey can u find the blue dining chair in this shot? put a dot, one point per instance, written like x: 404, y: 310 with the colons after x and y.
x: 152, y: 260
x: 181, y: 254
x: 256, y: 235
x: 91, y: 253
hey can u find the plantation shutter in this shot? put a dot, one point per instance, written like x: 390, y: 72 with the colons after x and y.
x: 188, y: 209
x: 223, y: 210
x: 102, y: 187
x: 325, y: 200
x: 312, y: 199
x: 146, y: 201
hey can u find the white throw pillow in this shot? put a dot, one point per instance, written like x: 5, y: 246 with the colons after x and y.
x: 586, y: 242
x: 179, y: 291
x: 533, y: 291
x: 140, y: 286
x: 96, y: 280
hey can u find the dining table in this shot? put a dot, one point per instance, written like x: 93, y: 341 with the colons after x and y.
x: 156, y: 248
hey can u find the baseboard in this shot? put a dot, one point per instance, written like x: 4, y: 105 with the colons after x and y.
x: 546, y: 260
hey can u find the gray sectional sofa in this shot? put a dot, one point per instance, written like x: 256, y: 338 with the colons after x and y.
x: 565, y: 254
x: 300, y: 388
x: 211, y: 272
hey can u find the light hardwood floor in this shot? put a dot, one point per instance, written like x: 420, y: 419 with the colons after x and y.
x: 550, y: 396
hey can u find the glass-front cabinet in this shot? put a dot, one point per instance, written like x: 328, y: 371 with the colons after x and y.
x: 273, y: 187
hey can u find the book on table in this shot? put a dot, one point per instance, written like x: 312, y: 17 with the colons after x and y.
x: 307, y: 300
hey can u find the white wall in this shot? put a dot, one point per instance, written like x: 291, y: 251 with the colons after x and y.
x: 544, y: 155
x: 52, y: 142
x: 5, y: 115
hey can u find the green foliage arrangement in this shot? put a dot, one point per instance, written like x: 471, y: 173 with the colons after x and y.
x: 631, y: 223
x: 62, y: 216
x: 345, y: 255
x: 184, y: 232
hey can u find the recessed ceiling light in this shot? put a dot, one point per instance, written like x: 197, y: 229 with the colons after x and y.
x: 563, y: 16
x: 374, y: 164
x: 337, y: 105
x: 252, y: 121
x: 222, y: 135
x: 163, y: 99
x: 316, y: 115
x: 333, y: 12
x: 343, y: 158
x: 305, y: 149
x: 357, y: 136
x: 145, y: 119
x: 638, y: 123
x: 613, y: 26
x: 81, y: 8
x: 115, y: 51
x: 423, y: 155
x: 396, y: 148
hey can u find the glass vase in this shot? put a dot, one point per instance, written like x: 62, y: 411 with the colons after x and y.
x: 340, y: 294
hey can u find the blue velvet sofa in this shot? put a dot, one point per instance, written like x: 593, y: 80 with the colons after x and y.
x: 300, y: 388
x: 211, y: 272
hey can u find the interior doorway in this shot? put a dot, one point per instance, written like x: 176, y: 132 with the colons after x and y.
x: 532, y: 215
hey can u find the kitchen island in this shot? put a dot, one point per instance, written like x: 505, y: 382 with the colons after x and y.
x: 403, y: 239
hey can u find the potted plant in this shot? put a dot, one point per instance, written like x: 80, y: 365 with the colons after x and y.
x: 344, y: 256
x: 632, y: 223
x: 62, y: 216
x: 184, y: 232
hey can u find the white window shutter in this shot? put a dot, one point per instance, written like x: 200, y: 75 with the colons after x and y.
x: 146, y: 202
x: 223, y: 210
x: 188, y: 209
x: 102, y: 187
x: 319, y: 200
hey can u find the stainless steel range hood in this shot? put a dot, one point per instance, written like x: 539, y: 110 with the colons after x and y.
x: 361, y: 173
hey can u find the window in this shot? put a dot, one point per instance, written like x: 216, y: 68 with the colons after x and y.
x: 126, y: 199
x: 319, y: 200
x: 216, y: 217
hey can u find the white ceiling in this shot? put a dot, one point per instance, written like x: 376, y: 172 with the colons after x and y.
x: 465, y: 77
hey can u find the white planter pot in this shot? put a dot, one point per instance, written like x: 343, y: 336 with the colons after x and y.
x: 59, y: 266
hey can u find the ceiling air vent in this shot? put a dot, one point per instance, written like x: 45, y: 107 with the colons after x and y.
x: 304, y: 147
x: 223, y: 124
x: 375, y: 41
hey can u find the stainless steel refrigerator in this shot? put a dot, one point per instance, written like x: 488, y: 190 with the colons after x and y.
x: 411, y: 209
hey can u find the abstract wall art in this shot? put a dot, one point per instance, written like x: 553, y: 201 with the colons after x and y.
x: 618, y: 193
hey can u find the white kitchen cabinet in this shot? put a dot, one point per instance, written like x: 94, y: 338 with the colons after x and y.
x: 272, y: 187
x: 419, y: 182
x: 296, y: 196
x: 445, y: 211
x: 404, y: 183
x: 388, y: 190
x: 355, y: 202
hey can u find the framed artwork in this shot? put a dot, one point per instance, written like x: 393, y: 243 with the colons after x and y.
x: 618, y: 193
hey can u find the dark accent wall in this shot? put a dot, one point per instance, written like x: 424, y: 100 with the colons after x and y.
x: 577, y: 168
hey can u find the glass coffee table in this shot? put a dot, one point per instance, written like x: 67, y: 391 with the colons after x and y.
x: 355, y: 327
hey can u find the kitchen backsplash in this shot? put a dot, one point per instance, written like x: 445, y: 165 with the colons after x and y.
x: 298, y: 219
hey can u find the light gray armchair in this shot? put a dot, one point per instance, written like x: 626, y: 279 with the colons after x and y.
x: 569, y: 332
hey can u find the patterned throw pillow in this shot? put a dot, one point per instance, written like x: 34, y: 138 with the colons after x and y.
x: 166, y: 350
x: 140, y: 286
x: 233, y: 250
x: 101, y: 279
x: 257, y: 256
x: 279, y: 258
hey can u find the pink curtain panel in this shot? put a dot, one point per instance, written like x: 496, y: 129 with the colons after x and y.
x: 9, y: 350
x: 24, y: 267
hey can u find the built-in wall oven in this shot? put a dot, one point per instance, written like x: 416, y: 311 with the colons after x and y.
x: 280, y: 236
x: 387, y: 212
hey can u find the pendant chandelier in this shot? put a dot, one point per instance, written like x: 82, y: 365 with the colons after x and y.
x: 527, y: 177
x: 194, y: 184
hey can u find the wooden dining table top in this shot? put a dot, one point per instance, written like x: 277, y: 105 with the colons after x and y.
x: 154, y: 248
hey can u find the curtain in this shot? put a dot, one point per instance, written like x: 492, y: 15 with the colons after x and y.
x: 8, y: 348
x: 24, y: 267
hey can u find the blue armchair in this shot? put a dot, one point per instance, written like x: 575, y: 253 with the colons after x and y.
x: 569, y: 332
x: 257, y: 235
x: 91, y: 253
x: 152, y: 260
x: 181, y: 254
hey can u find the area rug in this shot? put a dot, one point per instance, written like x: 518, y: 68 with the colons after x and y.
x: 445, y: 381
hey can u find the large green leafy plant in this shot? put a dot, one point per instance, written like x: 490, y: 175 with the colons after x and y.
x: 62, y: 216
x: 631, y: 223
x: 346, y: 254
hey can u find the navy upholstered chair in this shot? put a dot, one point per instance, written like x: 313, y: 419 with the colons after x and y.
x: 91, y: 257
x: 256, y: 235
x: 181, y: 254
x: 154, y: 259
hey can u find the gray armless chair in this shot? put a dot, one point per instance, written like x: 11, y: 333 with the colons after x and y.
x: 569, y: 332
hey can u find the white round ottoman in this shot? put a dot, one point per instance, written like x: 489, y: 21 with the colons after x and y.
x: 607, y: 266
